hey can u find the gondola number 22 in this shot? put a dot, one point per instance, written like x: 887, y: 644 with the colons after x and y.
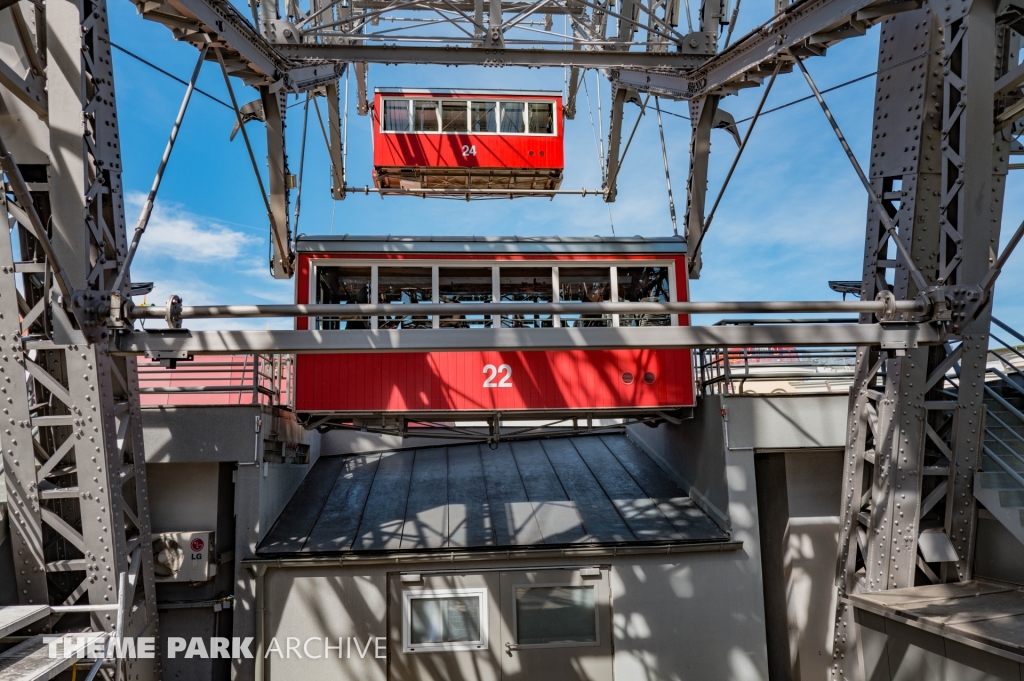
x: 492, y: 373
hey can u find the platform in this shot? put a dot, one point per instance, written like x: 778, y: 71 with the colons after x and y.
x: 15, y: 617
x: 984, y: 615
x: 30, y: 660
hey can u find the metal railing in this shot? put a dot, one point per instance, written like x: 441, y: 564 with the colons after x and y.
x: 1004, y: 432
x: 739, y: 371
x: 220, y: 380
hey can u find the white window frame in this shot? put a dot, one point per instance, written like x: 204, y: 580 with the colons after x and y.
x: 564, y: 644
x: 499, y: 105
x: 433, y: 264
x: 409, y: 594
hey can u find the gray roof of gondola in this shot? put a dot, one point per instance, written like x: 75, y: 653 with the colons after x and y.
x: 357, y: 243
x: 588, y: 491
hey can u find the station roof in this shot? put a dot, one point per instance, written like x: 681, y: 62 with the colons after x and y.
x: 578, y: 491
x: 359, y: 243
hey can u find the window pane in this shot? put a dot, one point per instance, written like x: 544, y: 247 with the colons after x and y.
x: 396, y: 115
x: 465, y: 285
x: 424, y: 113
x: 585, y: 285
x: 408, y: 285
x: 461, y: 619
x: 452, y: 619
x: 643, y: 285
x: 453, y: 116
x: 512, y: 117
x: 559, y: 614
x: 483, y: 117
x: 426, y: 621
x: 541, y: 118
x: 341, y: 286
x: 526, y: 285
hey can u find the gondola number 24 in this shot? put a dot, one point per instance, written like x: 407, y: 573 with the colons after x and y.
x: 492, y: 373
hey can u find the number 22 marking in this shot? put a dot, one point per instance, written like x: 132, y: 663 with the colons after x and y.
x: 492, y: 373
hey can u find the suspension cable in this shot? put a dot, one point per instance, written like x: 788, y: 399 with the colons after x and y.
x: 147, y: 207
x: 668, y: 178
x: 302, y: 161
x: 736, y: 160
x: 274, y: 234
x: 915, y: 274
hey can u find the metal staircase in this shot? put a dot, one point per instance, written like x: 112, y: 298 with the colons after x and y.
x: 999, y: 486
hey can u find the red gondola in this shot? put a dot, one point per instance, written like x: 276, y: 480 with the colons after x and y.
x: 467, y: 140
x: 356, y: 388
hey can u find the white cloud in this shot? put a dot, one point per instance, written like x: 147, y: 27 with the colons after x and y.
x: 175, y: 233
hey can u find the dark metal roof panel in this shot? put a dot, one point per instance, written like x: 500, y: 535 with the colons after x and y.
x: 358, y: 243
x: 595, y: 490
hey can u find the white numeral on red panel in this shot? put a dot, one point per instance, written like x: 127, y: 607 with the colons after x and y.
x: 468, y: 150
x: 492, y: 373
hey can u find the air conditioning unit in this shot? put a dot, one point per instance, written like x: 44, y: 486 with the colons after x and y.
x: 183, y: 557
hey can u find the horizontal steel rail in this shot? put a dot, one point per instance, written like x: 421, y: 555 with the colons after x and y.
x: 448, y: 55
x: 181, y: 343
x: 462, y: 309
x: 176, y: 389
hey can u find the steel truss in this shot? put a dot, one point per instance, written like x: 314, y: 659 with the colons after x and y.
x: 915, y: 435
x: 72, y: 436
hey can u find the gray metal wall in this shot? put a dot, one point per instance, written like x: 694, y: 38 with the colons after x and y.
x: 713, y: 457
x: 675, y: 618
x: 208, y: 473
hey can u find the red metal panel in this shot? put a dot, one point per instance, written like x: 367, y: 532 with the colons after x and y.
x: 454, y: 381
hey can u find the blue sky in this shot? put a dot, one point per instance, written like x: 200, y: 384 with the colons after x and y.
x: 792, y: 218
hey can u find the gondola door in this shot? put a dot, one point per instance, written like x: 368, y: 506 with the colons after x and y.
x: 555, y: 624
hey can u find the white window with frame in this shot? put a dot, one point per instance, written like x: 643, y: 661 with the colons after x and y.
x: 555, y: 615
x: 450, y: 619
x: 461, y: 116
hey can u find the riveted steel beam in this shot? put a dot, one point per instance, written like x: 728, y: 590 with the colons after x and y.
x: 479, y: 56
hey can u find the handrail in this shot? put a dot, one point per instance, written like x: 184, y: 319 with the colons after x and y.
x: 1009, y: 407
x: 1006, y: 446
x: 1007, y: 380
x: 257, y: 378
x: 1007, y: 345
x: 1007, y: 329
x: 1005, y: 466
x: 1004, y: 425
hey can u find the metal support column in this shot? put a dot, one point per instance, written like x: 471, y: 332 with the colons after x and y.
x: 337, y: 158
x: 975, y: 160
x: 277, y: 171
x: 72, y: 441
x: 702, y: 117
x: 908, y: 513
x: 614, y: 144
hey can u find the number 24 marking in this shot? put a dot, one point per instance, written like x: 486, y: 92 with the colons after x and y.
x: 492, y: 373
x: 468, y: 150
